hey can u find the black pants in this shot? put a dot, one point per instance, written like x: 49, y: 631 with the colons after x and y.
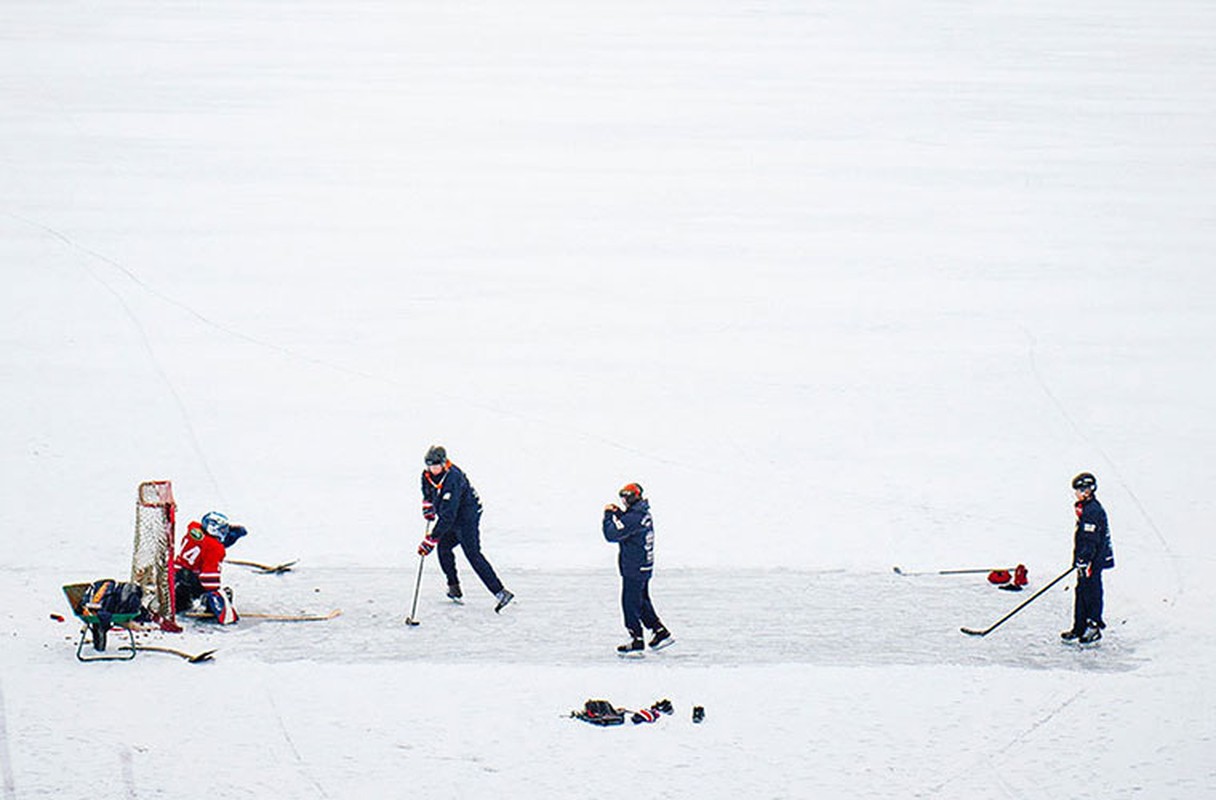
x: 1087, y: 603
x: 186, y: 589
x: 469, y: 539
x: 636, y: 605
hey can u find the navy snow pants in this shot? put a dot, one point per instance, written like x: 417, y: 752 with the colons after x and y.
x: 1087, y: 604
x: 635, y: 603
x: 469, y: 539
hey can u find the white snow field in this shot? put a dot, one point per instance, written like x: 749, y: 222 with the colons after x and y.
x: 846, y: 286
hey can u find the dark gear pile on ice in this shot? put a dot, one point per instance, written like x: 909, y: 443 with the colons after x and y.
x: 604, y: 713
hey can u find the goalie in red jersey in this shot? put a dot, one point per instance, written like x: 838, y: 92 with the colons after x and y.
x: 198, y: 564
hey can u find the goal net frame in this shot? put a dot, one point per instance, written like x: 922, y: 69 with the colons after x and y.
x: 153, y: 552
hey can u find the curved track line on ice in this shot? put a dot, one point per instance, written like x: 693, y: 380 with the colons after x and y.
x: 1110, y: 462
x: 340, y: 368
x: 195, y: 444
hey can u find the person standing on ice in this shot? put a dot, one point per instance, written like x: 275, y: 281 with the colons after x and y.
x: 451, y: 504
x: 1092, y: 553
x: 632, y: 529
x: 198, y: 563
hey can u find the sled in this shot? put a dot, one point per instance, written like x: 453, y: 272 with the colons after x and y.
x: 98, y: 627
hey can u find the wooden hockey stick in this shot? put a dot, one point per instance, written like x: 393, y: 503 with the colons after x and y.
x: 266, y: 569
x: 190, y: 657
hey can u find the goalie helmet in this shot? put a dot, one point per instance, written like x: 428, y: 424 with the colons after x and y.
x: 215, y: 524
x: 630, y: 493
x: 1085, y: 482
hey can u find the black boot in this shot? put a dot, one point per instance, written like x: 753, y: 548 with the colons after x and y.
x: 632, y: 649
x: 662, y: 638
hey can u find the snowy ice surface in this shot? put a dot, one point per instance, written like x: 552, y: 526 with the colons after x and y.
x: 845, y: 286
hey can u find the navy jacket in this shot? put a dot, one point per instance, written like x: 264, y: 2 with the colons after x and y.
x: 1091, y: 541
x: 456, y: 502
x: 633, y: 530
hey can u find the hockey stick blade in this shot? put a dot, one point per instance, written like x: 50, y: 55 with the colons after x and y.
x: 411, y: 622
x: 970, y: 632
x: 193, y: 658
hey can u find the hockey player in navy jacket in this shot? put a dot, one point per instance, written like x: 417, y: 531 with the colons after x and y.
x: 1092, y: 553
x: 451, y: 505
x: 632, y: 529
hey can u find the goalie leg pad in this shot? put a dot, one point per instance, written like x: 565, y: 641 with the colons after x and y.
x: 220, y: 607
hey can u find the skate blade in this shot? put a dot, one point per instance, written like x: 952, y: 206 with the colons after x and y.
x: 633, y: 655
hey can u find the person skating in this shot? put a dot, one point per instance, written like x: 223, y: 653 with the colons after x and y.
x: 452, y: 505
x: 632, y: 529
x: 1092, y: 553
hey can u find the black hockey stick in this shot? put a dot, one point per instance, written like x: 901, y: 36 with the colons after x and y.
x: 411, y: 620
x: 1023, y: 604
x: 899, y: 571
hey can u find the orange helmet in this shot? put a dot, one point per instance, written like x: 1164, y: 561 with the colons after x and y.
x: 631, y: 493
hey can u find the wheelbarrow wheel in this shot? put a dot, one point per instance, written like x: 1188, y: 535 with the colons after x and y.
x: 99, y: 636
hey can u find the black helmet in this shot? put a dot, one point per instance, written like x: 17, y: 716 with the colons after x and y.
x: 631, y: 493
x: 1085, y: 482
x: 436, y: 455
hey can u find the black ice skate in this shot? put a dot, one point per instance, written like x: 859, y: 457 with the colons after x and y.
x: 454, y: 593
x: 1069, y: 635
x: 1092, y: 634
x: 662, y: 638
x: 633, y: 649
x: 504, y: 597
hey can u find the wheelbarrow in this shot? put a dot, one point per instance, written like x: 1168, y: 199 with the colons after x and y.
x: 98, y: 623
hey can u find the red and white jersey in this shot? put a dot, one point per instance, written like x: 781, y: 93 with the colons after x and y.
x: 203, y: 557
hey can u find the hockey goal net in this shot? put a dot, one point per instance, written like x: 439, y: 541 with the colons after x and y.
x: 152, y: 557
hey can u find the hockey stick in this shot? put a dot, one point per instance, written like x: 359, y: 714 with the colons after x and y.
x: 192, y: 658
x: 271, y: 617
x: 899, y: 571
x: 291, y: 617
x: 265, y: 569
x: 1026, y: 602
x: 411, y: 620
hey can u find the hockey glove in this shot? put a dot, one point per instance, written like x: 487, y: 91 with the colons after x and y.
x: 428, y: 511
x: 1084, y: 569
x: 426, y: 546
x: 234, y: 533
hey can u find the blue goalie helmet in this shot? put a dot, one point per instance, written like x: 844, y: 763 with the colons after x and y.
x: 215, y: 524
